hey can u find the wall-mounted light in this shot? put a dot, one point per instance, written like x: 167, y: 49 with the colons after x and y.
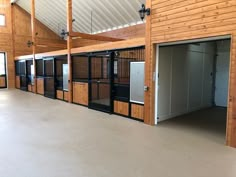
x: 143, y: 11
x: 30, y: 43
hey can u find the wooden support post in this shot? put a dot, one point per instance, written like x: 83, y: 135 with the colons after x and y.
x: 13, y: 37
x: 33, y: 30
x: 149, y: 106
x: 69, y: 46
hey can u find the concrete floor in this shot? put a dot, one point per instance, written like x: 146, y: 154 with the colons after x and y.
x: 40, y: 137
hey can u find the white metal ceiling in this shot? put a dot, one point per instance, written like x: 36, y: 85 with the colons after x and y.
x: 91, y: 16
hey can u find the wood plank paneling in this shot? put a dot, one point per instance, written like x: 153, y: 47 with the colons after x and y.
x: 2, y: 82
x: 137, y: 111
x: 18, y: 82
x: 40, y: 86
x: 23, y: 34
x: 121, y: 108
x: 30, y: 88
x: 60, y: 95
x: 80, y: 93
x: 66, y: 96
x: 179, y: 20
x: 6, y: 43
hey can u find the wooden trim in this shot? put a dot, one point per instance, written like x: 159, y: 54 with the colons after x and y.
x: 33, y: 30
x: 110, y: 46
x: 231, y: 115
x: 51, y: 45
x: 93, y: 37
x: 149, y: 110
x: 69, y: 46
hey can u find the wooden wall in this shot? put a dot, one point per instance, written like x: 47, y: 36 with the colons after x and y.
x: 136, y: 31
x: 179, y: 20
x: 16, y: 33
x: 22, y: 34
x: 6, y: 41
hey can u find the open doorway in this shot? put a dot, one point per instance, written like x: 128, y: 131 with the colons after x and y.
x: 3, y: 71
x: 192, y: 90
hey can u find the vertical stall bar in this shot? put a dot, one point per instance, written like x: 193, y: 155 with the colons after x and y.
x: 69, y: 46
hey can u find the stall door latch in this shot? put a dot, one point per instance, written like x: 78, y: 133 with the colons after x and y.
x: 146, y: 88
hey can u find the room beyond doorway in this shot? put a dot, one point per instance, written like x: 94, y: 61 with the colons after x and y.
x: 193, y: 78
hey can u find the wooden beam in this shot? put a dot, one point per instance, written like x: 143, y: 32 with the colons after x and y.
x: 130, y: 43
x: 33, y: 31
x: 51, y: 45
x: 69, y: 46
x: 149, y: 111
x: 13, y: 38
x: 93, y: 37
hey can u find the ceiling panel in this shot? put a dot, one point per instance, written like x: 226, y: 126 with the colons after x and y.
x: 91, y: 16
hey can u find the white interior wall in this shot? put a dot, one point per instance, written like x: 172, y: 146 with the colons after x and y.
x: 185, y: 79
x: 222, y: 73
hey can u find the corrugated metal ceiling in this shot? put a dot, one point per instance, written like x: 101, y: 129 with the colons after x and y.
x: 91, y: 16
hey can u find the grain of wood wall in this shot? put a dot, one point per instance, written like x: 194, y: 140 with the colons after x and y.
x: 179, y: 20
x: 6, y: 44
x: 22, y: 34
x: 16, y: 33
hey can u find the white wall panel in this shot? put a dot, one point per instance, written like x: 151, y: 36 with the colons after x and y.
x: 195, y: 67
x: 165, y: 80
x: 185, y: 79
x: 179, y: 86
x: 222, y: 73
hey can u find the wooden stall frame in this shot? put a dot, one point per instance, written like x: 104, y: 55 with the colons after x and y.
x: 33, y: 30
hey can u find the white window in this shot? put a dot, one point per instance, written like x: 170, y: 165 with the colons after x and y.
x: 2, y: 64
x: 2, y: 20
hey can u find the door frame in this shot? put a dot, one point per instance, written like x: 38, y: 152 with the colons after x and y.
x: 101, y: 107
x: 6, y: 75
x: 53, y: 77
x: 157, y: 46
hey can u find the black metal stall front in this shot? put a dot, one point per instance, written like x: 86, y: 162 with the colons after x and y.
x: 108, y: 76
x: 23, y: 70
x: 59, y: 62
x: 29, y: 72
x: 101, y: 77
x: 49, y: 78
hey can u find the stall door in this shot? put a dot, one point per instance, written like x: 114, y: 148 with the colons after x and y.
x: 3, y: 75
x: 23, y: 76
x: 100, y: 82
x: 49, y: 78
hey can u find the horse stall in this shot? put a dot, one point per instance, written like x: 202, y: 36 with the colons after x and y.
x: 49, y: 77
x: 80, y: 73
x: 128, y: 87
x: 23, y: 74
x: 102, y: 81
x: 40, y: 76
x: 61, y: 78
x: 30, y: 75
